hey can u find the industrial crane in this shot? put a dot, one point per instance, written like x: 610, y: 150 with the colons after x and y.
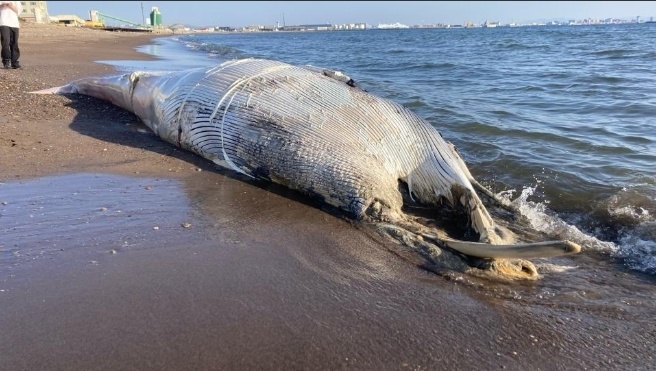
x: 97, y: 16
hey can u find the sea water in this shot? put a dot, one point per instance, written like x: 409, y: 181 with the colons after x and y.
x: 559, y: 119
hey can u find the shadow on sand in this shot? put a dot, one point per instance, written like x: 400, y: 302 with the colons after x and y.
x: 104, y: 121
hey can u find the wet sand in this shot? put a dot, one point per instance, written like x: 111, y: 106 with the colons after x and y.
x: 118, y: 251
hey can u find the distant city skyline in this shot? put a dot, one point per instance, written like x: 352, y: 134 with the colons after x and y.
x: 237, y: 14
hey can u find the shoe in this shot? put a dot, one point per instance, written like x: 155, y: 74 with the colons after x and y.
x: 14, y: 66
x: 6, y: 65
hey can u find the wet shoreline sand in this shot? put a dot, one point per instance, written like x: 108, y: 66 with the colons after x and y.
x: 122, y: 252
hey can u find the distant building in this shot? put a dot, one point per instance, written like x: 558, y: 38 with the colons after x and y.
x: 34, y: 11
x: 350, y: 26
x: 68, y: 20
x: 309, y: 27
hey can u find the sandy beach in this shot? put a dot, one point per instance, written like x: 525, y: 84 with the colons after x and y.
x: 119, y: 251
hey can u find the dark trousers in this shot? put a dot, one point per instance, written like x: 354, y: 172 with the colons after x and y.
x: 10, y: 51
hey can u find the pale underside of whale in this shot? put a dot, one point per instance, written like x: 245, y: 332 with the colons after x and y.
x: 313, y: 130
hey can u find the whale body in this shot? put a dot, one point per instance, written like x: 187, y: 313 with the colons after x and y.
x: 314, y: 130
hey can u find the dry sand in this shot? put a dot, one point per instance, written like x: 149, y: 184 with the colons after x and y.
x: 120, y: 252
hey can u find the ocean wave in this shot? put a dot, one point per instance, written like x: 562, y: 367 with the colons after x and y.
x: 512, y: 45
x: 414, y: 102
x: 600, y: 79
x: 542, y: 220
x: 616, y: 53
x: 214, y: 50
x: 631, y: 217
x: 638, y: 253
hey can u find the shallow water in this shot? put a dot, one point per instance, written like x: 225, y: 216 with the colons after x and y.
x: 98, y: 214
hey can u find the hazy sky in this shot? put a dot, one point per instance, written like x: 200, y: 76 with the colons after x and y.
x: 236, y: 13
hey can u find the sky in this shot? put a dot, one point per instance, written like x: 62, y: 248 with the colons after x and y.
x: 238, y: 14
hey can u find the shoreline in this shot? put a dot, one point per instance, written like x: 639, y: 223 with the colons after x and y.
x: 98, y: 269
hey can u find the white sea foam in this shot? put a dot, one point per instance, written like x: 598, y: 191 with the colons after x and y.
x: 537, y: 214
x: 638, y: 252
x: 553, y: 268
x: 635, y: 246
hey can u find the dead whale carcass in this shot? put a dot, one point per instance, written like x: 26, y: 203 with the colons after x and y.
x: 314, y: 131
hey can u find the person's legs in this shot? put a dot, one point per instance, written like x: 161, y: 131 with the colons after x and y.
x: 5, y: 37
x: 15, y: 51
